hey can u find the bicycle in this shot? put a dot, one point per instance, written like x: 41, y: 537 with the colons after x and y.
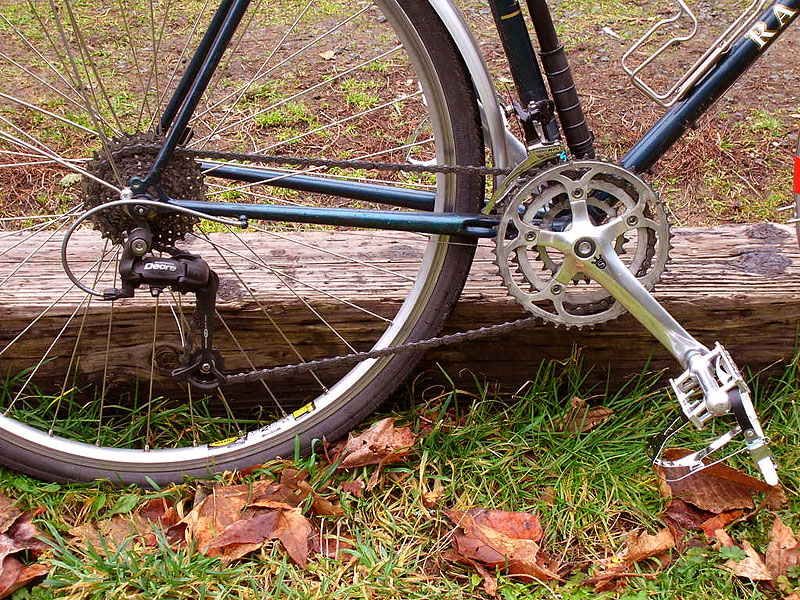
x: 210, y: 186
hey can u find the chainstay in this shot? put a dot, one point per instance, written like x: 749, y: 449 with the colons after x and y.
x: 356, y: 357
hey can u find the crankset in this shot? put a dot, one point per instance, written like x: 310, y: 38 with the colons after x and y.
x: 582, y: 242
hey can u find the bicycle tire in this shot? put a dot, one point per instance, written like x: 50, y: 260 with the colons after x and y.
x: 47, y: 429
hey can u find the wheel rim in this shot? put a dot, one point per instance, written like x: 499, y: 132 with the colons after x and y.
x: 53, y: 430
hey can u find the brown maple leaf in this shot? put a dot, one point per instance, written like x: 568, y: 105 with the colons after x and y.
x: 717, y: 488
x: 18, y: 534
x: 498, y: 538
x: 382, y: 443
x: 782, y: 552
x: 640, y: 546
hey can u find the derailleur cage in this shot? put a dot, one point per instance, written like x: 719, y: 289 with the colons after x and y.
x: 184, y: 273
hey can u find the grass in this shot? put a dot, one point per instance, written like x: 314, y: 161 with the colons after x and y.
x: 477, y: 448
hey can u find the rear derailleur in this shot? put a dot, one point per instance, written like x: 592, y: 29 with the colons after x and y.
x: 183, y: 273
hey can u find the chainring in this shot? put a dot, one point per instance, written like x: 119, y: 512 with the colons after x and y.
x: 541, y: 200
x: 131, y: 155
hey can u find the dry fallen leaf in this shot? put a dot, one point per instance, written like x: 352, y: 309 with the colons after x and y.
x: 782, y: 551
x: 14, y: 575
x: 233, y: 521
x: 751, y: 567
x: 294, y: 531
x: 108, y: 535
x: 381, y: 443
x: 327, y: 55
x: 640, y: 546
x: 717, y: 488
x: 8, y: 513
x: 681, y: 517
x: 18, y: 534
x: 723, y: 539
x: 356, y: 488
x: 329, y: 546
x: 222, y: 507
x: 644, y: 545
x: 497, y: 538
x: 720, y: 521
x: 431, y: 498
x: 243, y: 536
x: 582, y: 418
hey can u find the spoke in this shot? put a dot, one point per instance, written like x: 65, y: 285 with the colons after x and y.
x: 290, y: 172
x: 136, y: 66
x: 249, y: 192
x: 250, y: 362
x: 258, y: 261
x: 291, y: 240
x: 229, y: 411
x: 201, y: 143
x: 345, y: 120
x: 93, y: 114
x: 279, y: 64
x: 263, y: 308
x: 233, y: 49
x: 36, y: 50
x: 47, y: 113
x: 69, y: 288
x: 45, y: 151
x: 42, y: 81
x: 107, y: 355
x: 244, y: 89
x: 305, y: 302
x: 31, y: 254
x: 73, y: 357
x: 409, y: 146
x: 178, y: 64
x: 44, y: 357
x: 153, y: 77
x: 45, y: 29
x: 195, y: 439
x: 152, y: 374
x: 55, y: 341
x: 34, y: 229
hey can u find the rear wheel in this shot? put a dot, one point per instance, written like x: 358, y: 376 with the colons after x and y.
x: 88, y: 390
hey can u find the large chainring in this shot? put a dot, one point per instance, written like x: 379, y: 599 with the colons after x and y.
x: 534, y: 272
x: 131, y: 156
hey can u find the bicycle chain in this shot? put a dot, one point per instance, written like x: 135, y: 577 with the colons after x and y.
x: 275, y: 159
x: 347, y: 359
x: 419, y: 346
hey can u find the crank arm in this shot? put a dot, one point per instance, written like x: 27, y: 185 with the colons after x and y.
x: 711, y: 385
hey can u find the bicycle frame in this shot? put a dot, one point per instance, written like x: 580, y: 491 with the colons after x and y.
x: 530, y: 87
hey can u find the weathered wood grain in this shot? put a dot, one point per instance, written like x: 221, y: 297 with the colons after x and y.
x: 739, y: 285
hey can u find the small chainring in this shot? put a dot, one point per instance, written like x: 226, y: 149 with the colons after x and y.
x: 544, y: 201
x: 131, y: 155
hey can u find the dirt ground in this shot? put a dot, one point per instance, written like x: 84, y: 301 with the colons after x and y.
x: 736, y: 166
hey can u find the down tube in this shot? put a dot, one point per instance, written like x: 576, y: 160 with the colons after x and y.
x: 684, y: 114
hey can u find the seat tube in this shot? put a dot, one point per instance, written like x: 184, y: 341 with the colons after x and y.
x: 522, y: 61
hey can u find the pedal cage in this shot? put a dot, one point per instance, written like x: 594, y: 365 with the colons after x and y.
x: 724, y: 377
x: 700, y: 391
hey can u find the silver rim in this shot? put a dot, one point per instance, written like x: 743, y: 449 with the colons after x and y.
x: 62, y: 71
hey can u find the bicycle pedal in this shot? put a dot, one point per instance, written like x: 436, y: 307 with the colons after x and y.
x: 711, y: 387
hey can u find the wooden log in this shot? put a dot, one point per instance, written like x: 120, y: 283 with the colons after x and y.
x: 736, y: 284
